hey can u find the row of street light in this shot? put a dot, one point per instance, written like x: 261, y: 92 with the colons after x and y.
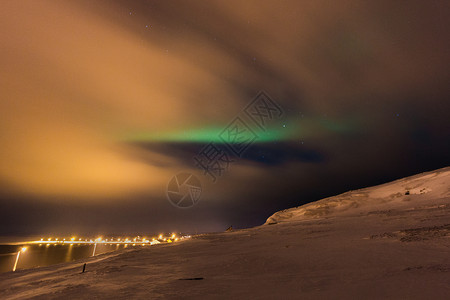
x: 111, y: 241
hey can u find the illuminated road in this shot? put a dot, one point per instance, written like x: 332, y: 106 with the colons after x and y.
x: 110, y: 241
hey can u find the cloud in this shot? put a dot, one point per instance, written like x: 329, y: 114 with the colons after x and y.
x: 79, y: 77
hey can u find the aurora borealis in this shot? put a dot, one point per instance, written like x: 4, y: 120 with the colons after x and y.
x: 103, y: 102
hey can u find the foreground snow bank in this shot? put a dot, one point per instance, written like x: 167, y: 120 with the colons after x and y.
x: 375, y: 243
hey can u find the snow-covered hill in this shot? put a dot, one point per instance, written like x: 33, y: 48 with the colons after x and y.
x: 374, y: 243
x: 418, y: 189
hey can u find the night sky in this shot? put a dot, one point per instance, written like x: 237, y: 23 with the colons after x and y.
x: 103, y: 103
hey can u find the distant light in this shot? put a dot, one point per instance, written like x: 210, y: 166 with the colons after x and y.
x: 24, y: 249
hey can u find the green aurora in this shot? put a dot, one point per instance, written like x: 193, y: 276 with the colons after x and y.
x: 287, y: 131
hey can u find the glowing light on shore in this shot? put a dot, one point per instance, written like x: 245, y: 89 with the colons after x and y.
x: 95, y: 247
x: 17, y: 258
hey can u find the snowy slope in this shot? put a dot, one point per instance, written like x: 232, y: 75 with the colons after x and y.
x: 374, y: 243
x: 420, y: 188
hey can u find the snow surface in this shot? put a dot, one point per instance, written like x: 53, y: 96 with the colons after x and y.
x: 373, y: 243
